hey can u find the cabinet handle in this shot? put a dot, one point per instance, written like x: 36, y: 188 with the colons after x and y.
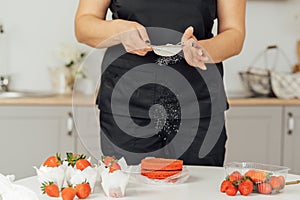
x: 291, y: 123
x: 70, y: 124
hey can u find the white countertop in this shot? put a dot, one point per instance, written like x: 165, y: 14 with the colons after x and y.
x: 203, y: 183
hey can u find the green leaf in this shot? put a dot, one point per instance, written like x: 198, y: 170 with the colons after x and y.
x: 70, y: 64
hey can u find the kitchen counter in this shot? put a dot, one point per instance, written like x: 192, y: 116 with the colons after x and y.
x: 89, y: 100
x: 56, y: 100
x: 203, y: 183
x: 263, y: 102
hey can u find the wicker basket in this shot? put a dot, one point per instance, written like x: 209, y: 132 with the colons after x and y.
x: 258, y: 80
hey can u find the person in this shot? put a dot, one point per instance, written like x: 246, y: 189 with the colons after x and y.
x: 135, y: 27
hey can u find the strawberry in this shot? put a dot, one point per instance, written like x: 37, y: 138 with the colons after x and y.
x: 282, y: 181
x: 231, y: 190
x: 256, y: 176
x: 107, y: 160
x: 246, y: 187
x: 115, y: 192
x: 225, y: 185
x: 83, y: 190
x: 111, y: 162
x: 78, y: 161
x: 114, y: 166
x: 235, y: 176
x: 68, y: 193
x: 72, y: 158
x: 50, y: 189
x: 53, y: 161
x: 275, y: 183
x: 264, y: 188
x: 82, y: 164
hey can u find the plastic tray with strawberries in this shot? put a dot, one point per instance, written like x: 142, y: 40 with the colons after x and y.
x: 249, y: 177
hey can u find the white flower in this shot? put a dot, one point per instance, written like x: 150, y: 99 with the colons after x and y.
x: 71, y: 55
x: 72, y: 58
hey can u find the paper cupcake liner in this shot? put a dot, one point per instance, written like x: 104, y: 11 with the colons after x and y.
x: 114, y: 184
x: 89, y: 174
x: 51, y: 174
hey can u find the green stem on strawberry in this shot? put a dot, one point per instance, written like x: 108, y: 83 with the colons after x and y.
x: 73, y: 158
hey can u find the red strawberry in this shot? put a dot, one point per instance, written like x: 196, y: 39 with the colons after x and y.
x: 83, y: 190
x: 107, y: 160
x: 82, y: 164
x: 225, y: 185
x: 257, y: 176
x: 246, y: 187
x: 115, y: 192
x: 235, y: 176
x: 275, y: 183
x: 282, y: 181
x: 231, y: 190
x: 50, y: 189
x: 78, y: 161
x: 68, y: 193
x: 114, y: 166
x: 264, y: 188
x: 72, y: 158
x: 53, y: 161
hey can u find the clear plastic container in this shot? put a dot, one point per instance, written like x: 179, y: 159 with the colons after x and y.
x: 267, y: 179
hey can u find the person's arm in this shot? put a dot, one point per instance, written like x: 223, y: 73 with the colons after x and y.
x: 231, y: 31
x: 227, y: 43
x: 92, y: 29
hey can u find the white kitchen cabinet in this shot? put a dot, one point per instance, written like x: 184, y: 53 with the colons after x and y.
x: 265, y: 134
x: 254, y: 134
x: 86, y: 119
x: 29, y: 134
x: 291, y: 156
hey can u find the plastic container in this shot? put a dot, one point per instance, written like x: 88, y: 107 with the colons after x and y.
x: 267, y: 179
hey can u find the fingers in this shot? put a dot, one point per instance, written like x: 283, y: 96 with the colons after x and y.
x: 136, y: 40
x: 144, y: 35
x: 144, y: 43
x: 188, y: 33
x: 195, y: 62
x: 193, y: 52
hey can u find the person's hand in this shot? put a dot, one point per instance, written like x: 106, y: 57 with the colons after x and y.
x: 193, y: 53
x: 134, y: 38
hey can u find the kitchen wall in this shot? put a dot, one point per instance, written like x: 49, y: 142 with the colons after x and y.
x: 268, y: 22
x: 35, y: 30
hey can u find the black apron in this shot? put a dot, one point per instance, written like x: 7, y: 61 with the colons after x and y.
x: 163, y: 111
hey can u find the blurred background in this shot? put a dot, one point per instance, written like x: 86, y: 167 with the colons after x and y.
x: 34, y: 30
x: 33, y: 34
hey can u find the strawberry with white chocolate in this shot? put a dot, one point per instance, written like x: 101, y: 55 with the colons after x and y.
x: 114, y: 180
x: 78, y: 161
x: 53, y: 161
x: 111, y: 162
